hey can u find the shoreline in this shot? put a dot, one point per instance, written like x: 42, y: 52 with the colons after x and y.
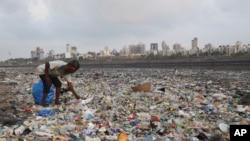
x: 224, y: 64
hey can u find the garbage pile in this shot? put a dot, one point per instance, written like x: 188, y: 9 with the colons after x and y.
x: 193, y: 105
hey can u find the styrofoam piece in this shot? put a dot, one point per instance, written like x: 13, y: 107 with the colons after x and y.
x: 19, y: 130
x: 74, y: 101
x: 111, y: 138
x: 219, y: 96
x: 90, y: 125
x: 241, y: 108
x: 43, y: 134
x: 223, y: 127
x: 92, y: 139
x: 86, y: 101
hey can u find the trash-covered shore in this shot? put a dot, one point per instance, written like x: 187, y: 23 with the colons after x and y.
x: 183, y: 104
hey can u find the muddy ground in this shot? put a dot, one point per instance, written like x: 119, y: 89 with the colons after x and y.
x: 12, y: 109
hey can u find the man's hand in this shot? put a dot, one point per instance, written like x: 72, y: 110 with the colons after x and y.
x: 77, y: 96
x: 71, y: 88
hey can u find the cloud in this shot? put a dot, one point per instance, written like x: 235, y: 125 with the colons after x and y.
x: 94, y: 24
x: 143, y: 11
x: 38, y: 10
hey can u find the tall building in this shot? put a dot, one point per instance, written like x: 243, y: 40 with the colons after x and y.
x: 106, y: 51
x: 238, y: 47
x: 51, y: 53
x: 208, y: 48
x: 230, y: 50
x: 177, y: 48
x: 222, y: 49
x: 154, y: 48
x: 38, y: 53
x: 195, y: 43
x: 165, y: 48
x: 137, y: 49
x: 71, y: 51
x: 114, y: 52
x: 124, y: 51
x: 68, y: 48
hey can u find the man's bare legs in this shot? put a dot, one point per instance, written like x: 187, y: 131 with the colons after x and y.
x: 58, y: 92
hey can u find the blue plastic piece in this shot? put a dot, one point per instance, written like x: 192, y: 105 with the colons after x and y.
x: 89, y: 116
x: 73, y: 137
x: 46, y: 113
x: 148, y: 137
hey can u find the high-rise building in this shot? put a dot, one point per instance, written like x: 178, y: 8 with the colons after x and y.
x: 74, y: 50
x: 106, y: 51
x: 154, y: 46
x: 38, y: 53
x: 195, y: 43
x: 208, y: 48
x: 71, y: 51
x: 114, y: 52
x: 137, y: 49
x: 51, y: 53
x: 238, y: 47
x: 124, y: 51
x: 165, y: 48
x: 68, y: 48
x: 177, y: 48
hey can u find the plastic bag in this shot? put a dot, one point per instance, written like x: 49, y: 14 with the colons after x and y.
x: 46, y: 113
x: 37, y: 92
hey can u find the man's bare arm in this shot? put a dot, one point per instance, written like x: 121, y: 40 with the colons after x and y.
x: 71, y: 88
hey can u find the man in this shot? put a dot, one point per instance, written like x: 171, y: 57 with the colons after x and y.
x: 50, y: 73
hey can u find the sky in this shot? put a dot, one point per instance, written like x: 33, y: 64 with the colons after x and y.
x: 91, y: 25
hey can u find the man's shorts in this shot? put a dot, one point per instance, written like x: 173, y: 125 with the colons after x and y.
x: 55, y: 81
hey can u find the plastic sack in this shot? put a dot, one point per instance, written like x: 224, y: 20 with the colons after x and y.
x: 37, y: 92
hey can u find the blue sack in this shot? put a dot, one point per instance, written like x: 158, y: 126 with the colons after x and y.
x: 37, y: 92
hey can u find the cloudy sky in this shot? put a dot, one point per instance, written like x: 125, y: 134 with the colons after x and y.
x: 90, y: 25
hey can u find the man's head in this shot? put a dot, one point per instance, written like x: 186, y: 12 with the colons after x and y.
x: 72, y: 66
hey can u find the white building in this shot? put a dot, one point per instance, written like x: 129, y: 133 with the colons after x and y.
x: 124, y: 51
x: 106, y: 51
x: 165, y: 48
x: 178, y: 48
x: 71, y: 51
x: 38, y: 53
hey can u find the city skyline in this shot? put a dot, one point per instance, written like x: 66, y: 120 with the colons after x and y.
x: 140, y: 49
x: 93, y: 25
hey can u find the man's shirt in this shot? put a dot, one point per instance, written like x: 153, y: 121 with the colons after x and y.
x: 55, y: 69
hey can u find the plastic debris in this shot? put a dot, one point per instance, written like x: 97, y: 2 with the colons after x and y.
x: 46, y: 113
x: 145, y: 87
x: 130, y: 104
x: 223, y: 127
x: 122, y: 136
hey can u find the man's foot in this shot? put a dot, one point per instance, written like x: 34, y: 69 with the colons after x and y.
x: 57, y: 102
x: 45, y: 105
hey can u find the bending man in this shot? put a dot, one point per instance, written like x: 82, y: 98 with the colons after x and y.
x: 50, y: 73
